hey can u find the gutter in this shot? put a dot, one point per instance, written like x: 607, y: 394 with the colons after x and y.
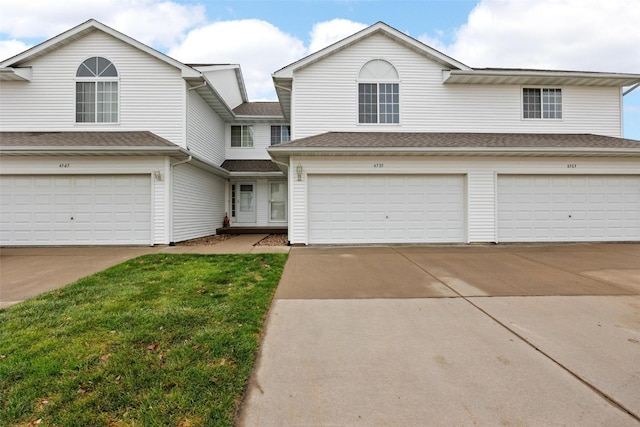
x: 373, y: 151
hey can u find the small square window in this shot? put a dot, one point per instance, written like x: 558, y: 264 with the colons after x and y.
x: 242, y: 136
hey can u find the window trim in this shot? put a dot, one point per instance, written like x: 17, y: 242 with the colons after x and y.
x: 541, y: 89
x: 286, y: 202
x: 378, y: 82
x: 95, y: 80
x: 242, y: 137
x: 271, y: 143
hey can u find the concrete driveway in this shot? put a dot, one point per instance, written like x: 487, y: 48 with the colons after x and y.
x: 26, y: 272
x: 452, y: 335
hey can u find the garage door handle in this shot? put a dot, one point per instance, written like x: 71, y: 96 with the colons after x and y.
x: 71, y: 218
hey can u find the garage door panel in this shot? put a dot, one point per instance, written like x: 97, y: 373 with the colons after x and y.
x: 568, y: 208
x: 59, y: 210
x: 386, y: 209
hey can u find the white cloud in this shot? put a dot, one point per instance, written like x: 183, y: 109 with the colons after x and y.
x: 587, y: 35
x: 140, y: 19
x: 9, y: 48
x: 259, y: 47
x: 326, y: 33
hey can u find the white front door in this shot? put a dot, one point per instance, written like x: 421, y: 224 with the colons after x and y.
x: 278, y: 201
x: 246, y: 203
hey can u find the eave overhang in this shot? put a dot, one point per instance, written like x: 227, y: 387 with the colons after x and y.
x: 175, y: 152
x: 82, y: 30
x: 282, y: 155
x: 210, y: 95
x: 15, y: 74
x: 533, y: 77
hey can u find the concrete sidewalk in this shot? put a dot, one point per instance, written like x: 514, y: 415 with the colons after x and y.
x: 452, y: 335
x: 26, y: 272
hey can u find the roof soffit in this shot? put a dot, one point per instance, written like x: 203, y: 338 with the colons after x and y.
x: 539, y: 77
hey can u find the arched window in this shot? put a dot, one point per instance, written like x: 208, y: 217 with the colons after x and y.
x: 378, y: 93
x: 97, y: 91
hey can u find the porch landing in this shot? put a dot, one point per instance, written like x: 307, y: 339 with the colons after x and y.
x: 252, y: 230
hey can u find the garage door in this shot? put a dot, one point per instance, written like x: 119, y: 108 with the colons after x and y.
x: 386, y: 209
x: 75, y: 210
x: 547, y: 208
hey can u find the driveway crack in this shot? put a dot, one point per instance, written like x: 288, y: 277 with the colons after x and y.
x: 592, y: 387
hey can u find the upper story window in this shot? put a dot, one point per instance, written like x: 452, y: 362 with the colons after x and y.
x: 97, y: 91
x: 280, y: 134
x: 242, y: 136
x: 378, y: 93
x: 541, y: 103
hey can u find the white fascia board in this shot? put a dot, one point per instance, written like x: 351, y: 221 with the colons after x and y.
x: 86, y: 27
x: 482, y: 76
x: 287, y: 72
x: 376, y: 151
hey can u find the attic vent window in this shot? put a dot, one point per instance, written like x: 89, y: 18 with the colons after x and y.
x: 97, y: 91
x: 378, y: 93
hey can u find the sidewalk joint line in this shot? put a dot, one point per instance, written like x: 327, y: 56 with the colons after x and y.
x: 593, y: 388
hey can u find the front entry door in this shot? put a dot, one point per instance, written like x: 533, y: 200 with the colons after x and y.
x: 247, y: 203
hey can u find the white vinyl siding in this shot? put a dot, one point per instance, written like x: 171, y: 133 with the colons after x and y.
x: 544, y: 208
x: 325, y: 98
x: 261, y: 141
x: 75, y: 210
x: 481, y: 200
x: 205, y: 130
x: 152, y: 93
x: 386, y: 209
x: 198, y: 202
x: 108, y: 165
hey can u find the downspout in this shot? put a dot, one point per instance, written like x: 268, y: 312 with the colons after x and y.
x: 171, y: 208
x: 631, y: 89
x: 626, y: 92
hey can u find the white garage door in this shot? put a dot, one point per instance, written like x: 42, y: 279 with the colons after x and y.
x: 386, y: 209
x: 548, y: 208
x: 75, y: 210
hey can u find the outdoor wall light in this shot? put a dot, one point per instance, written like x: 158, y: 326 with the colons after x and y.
x: 299, y: 172
x: 157, y: 175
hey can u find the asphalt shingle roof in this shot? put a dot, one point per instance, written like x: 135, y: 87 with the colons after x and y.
x: 250, y: 166
x: 83, y: 139
x: 457, y: 140
x: 258, y: 109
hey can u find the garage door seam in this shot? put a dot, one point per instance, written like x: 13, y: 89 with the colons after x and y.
x: 599, y: 392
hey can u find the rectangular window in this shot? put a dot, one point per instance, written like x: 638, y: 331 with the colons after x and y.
x: 541, y: 103
x: 280, y: 134
x: 378, y: 103
x: 242, y: 136
x: 367, y: 103
x: 96, y: 102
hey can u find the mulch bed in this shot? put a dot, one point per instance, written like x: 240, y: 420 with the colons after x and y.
x: 207, y: 241
x: 270, y: 240
x: 274, y: 240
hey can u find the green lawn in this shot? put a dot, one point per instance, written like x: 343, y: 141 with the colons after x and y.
x: 158, y: 340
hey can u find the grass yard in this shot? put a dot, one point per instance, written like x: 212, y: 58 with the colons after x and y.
x: 158, y: 340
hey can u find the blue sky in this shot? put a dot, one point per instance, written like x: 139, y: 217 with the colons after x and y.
x: 263, y: 36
